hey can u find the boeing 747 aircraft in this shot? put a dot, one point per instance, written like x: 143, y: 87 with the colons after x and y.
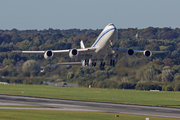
x: 101, y: 50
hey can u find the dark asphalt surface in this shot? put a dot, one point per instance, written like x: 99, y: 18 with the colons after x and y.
x: 76, y: 105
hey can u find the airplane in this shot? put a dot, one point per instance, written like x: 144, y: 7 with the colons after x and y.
x: 101, y: 50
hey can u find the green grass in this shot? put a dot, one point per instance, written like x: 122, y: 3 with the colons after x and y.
x: 170, y: 99
x: 68, y: 115
x: 22, y: 106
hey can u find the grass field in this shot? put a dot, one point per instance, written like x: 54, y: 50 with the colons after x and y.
x: 170, y: 99
x: 22, y: 106
x: 68, y: 115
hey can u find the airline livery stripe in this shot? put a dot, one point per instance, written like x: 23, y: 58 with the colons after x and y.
x: 102, y: 36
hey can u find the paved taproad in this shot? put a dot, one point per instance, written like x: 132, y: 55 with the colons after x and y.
x: 77, y: 105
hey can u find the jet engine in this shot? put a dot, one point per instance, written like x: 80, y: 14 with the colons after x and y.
x: 73, y: 53
x: 130, y: 52
x: 48, y: 54
x: 147, y: 53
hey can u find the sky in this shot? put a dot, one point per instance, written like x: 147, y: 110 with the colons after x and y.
x: 88, y: 14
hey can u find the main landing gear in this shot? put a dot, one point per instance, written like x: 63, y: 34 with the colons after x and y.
x: 89, y: 62
x: 93, y: 64
x: 102, y: 64
x: 86, y: 62
x: 112, y: 63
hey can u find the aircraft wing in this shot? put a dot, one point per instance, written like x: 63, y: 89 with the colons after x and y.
x: 141, y: 51
x: 130, y: 52
x: 29, y: 52
x: 86, y: 52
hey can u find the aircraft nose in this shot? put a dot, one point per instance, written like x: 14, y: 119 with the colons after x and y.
x: 112, y: 25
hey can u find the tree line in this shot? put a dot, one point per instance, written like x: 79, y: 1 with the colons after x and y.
x: 136, y: 71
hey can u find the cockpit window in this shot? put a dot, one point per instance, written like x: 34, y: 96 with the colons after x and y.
x: 111, y: 24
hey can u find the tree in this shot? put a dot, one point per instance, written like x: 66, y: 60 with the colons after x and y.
x: 14, y: 56
x: 8, y: 62
x: 70, y: 75
x: 88, y: 70
x: 177, y: 87
x: 149, y: 74
x: 168, y: 62
x: 153, y: 46
x: 80, y: 72
x: 177, y: 77
x: 149, y: 32
x: 127, y: 43
x: 6, y: 38
x: 170, y: 35
x: 101, y: 75
x: 30, y: 66
x: 167, y: 74
x: 169, y: 88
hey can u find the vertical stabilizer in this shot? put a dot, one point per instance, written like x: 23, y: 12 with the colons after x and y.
x: 82, y: 45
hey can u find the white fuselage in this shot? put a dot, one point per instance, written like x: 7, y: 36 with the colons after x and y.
x: 104, y: 42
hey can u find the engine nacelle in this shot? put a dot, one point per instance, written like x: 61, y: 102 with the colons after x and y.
x: 147, y: 53
x: 130, y: 52
x: 48, y: 54
x: 73, y: 53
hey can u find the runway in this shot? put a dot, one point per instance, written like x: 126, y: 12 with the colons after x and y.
x: 76, y: 105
